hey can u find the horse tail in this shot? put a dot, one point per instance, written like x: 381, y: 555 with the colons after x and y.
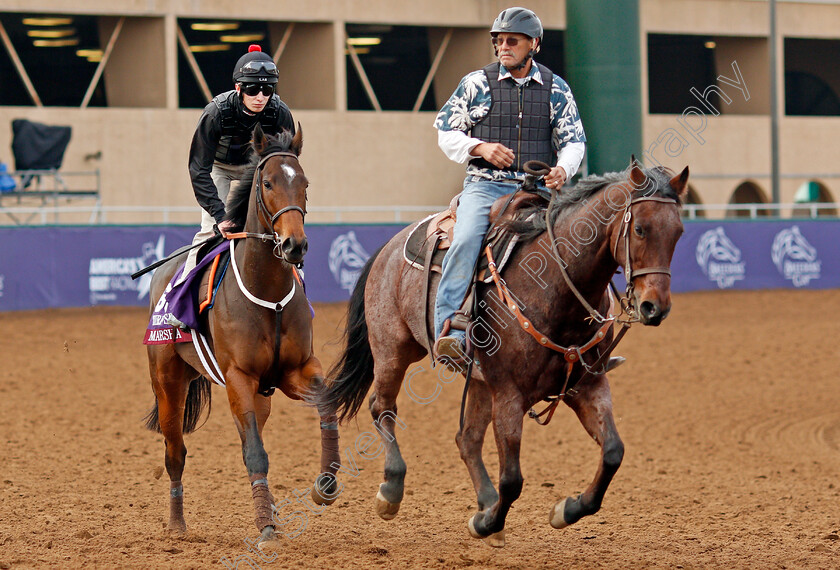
x: 198, y: 397
x: 351, y: 376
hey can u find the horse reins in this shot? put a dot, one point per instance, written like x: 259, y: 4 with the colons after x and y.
x: 574, y: 354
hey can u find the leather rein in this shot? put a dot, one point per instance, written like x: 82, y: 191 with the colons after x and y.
x: 573, y: 354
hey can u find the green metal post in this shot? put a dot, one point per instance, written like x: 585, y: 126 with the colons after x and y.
x: 602, y: 46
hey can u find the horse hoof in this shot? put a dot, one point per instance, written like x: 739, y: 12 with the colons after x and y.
x: 177, y: 528
x: 385, y: 509
x: 320, y: 500
x: 496, y: 540
x: 270, y: 545
x: 471, y: 526
x: 268, y: 541
x: 555, y: 517
x: 324, y: 491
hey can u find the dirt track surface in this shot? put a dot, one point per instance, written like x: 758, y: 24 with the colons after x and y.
x: 730, y: 413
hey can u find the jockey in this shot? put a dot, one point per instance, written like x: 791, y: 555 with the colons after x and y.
x: 500, y: 117
x: 221, y: 149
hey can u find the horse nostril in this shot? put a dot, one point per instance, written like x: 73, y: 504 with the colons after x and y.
x: 289, y: 245
x: 304, y: 246
x: 649, y: 310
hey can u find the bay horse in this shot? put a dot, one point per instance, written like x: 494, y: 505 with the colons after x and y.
x: 260, y: 329
x: 629, y: 218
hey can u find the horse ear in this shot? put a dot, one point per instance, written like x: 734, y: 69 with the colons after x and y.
x: 259, y: 139
x: 680, y: 183
x: 637, y: 175
x: 297, y: 141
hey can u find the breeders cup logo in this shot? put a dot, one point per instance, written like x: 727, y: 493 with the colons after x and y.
x: 111, y: 276
x: 719, y: 259
x: 347, y: 258
x: 794, y: 257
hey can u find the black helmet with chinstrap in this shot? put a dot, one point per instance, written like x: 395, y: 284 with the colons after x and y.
x: 255, y: 67
x: 518, y: 21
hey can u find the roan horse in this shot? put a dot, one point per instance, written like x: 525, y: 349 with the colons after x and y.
x: 629, y: 218
x: 260, y: 328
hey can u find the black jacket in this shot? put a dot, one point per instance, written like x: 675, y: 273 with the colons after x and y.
x: 224, y: 134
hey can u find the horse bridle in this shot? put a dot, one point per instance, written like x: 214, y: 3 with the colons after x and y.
x: 574, y: 354
x: 629, y: 273
x: 263, y: 211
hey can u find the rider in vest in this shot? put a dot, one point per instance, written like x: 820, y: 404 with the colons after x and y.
x: 500, y: 117
x: 221, y: 147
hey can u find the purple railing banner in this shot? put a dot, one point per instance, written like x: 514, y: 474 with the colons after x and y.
x: 43, y: 267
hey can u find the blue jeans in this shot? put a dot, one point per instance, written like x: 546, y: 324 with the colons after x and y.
x: 471, y: 226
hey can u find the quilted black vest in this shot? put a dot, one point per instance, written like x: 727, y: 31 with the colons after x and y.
x: 237, y: 126
x: 519, y: 118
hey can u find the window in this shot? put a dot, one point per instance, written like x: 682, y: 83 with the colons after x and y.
x: 60, y: 54
x: 676, y: 63
x: 396, y: 61
x: 747, y: 193
x: 552, y: 53
x: 812, y: 77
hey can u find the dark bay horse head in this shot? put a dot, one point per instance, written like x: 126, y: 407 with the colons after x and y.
x: 645, y: 234
x: 271, y: 196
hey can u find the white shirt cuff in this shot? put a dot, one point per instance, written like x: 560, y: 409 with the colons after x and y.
x: 570, y: 157
x: 456, y: 145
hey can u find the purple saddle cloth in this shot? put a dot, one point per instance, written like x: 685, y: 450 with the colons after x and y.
x: 179, y: 301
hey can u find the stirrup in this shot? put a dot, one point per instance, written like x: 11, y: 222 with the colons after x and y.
x: 450, y: 349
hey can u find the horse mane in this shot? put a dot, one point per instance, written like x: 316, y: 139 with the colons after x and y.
x: 240, y: 194
x: 574, y: 198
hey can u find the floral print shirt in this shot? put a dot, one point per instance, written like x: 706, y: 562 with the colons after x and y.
x: 471, y: 102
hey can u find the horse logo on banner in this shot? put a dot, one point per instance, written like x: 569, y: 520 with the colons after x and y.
x: 794, y: 257
x: 151, y: 253
x: 719, y: 258
x: 347, y: 258
x: 109, y: 278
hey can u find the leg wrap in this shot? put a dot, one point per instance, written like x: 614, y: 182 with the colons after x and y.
x: 176, y: 502
x: 263, y: 501
x: 330, y: 458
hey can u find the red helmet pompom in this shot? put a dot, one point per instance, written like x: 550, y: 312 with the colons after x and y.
x: 254, y: 47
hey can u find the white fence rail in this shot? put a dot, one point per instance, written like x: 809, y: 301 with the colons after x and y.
x: 137, y: 215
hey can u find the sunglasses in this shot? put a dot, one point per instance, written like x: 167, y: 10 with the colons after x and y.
x: 512, y: 42
x: 251, y: 89
x: 260, y: 66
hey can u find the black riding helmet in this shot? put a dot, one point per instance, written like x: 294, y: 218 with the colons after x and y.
x: 518, y: 21
x: 255, y: 67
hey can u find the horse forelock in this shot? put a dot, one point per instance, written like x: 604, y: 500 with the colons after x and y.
x: 240, y: 195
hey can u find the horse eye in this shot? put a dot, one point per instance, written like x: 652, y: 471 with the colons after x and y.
x: 637, y: 229
x: 267, y: 184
